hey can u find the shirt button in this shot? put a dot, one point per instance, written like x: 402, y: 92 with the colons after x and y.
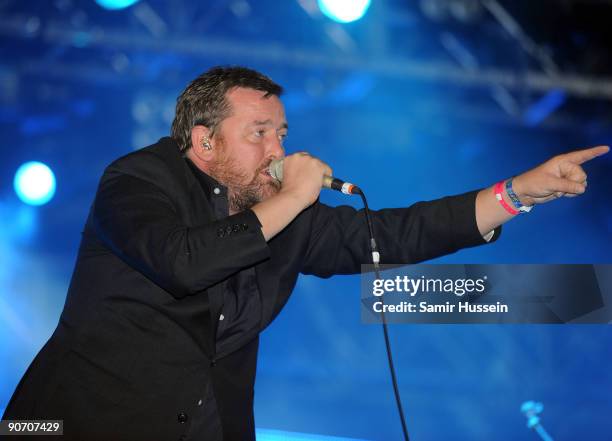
x: 200, y: 402
x: 220, y: 232
x: 221, y: 317
x: 182, y: 417
x: 216, y: 190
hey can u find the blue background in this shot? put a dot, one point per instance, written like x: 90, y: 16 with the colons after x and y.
x: 76, y: 100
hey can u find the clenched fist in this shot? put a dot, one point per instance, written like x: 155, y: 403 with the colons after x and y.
x: 303, y: 176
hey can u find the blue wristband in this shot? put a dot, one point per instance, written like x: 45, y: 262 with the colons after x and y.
x: 514, y: 198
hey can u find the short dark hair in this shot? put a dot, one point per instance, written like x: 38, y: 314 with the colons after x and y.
x: 204, y: 100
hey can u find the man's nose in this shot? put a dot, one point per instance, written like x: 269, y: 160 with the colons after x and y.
x: 275, y: 148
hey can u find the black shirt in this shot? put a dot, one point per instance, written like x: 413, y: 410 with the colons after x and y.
x: 241, y: 312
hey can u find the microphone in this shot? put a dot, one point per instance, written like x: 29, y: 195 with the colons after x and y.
x: 276, y: 171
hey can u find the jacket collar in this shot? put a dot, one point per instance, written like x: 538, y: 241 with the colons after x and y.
x: 167, y: 148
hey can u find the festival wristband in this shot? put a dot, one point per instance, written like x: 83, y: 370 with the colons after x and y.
x: 515, y: 200
x: 499, y: 187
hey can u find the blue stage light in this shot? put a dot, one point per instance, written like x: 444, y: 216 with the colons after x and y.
x: 116, y: 4
x: 34, y: 183
x: 541, y: 109
x: 344, y: 11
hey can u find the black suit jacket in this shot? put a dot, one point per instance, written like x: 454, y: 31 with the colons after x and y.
x: 133, y: 356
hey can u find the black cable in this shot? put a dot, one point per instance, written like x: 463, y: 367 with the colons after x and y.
x: 376, y: 263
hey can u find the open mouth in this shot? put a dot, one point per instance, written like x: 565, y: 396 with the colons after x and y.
x: 266, y: 172
x: 268, y: 179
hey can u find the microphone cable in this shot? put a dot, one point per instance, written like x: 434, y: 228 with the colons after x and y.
x: 276, y: 171
x: 376, y: 263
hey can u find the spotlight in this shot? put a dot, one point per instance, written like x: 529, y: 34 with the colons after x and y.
x: 116, y: 4
x: 344, y: 11
x: 34, y: 183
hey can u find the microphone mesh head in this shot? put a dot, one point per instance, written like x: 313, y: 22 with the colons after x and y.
x: 276, y: 169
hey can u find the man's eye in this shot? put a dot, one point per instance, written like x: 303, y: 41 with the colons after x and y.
x: 260, y: 133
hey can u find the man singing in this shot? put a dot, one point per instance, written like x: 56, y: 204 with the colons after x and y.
x: 191, y: 249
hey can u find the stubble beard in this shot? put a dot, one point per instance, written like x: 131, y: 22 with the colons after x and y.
x: 242, y: 193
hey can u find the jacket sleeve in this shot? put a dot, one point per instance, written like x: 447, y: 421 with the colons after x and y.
x: 339, y: 240
x: 137, y: 220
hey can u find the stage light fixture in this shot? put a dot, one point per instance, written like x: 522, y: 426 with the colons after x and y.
x: 34, y: 183
x: 344, y: 11
x: 116, y: 4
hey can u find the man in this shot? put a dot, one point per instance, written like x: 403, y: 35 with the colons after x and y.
x: 191, y: 248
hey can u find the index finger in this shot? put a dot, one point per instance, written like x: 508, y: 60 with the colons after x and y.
x: 581, y: 156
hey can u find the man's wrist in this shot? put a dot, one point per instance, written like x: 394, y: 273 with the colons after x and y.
x: 297, y: 198
x: 518, y: 188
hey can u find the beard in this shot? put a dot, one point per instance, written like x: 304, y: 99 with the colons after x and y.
x: 243, y: 191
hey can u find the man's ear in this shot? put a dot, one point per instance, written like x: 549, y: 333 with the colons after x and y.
x: 201, y: 144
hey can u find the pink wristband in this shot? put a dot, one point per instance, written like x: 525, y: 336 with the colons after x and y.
x: 498, y: 189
